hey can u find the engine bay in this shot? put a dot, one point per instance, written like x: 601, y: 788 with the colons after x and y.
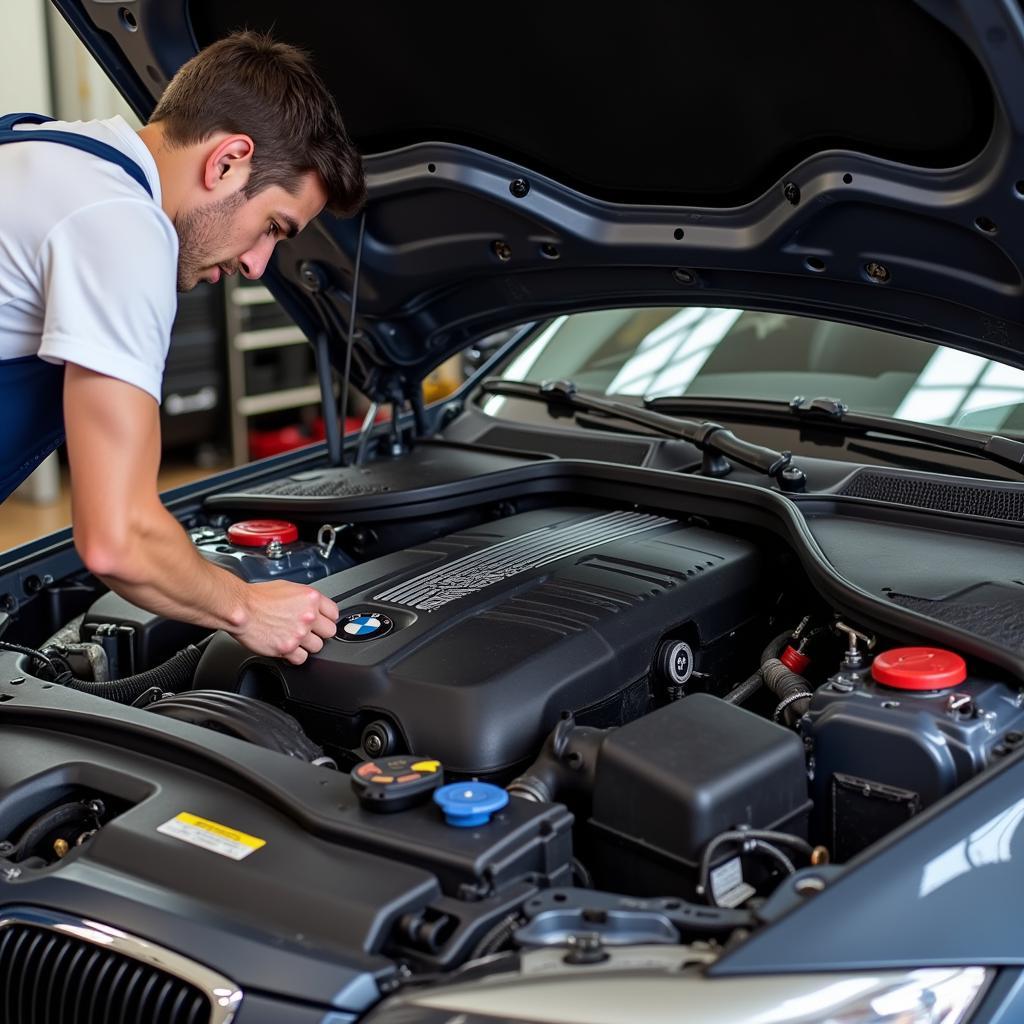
x: 468, y: 647
x: 555, y: 712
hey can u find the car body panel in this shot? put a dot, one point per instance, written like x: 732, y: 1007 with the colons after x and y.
x: 942, y: 891
x: 443, y: 214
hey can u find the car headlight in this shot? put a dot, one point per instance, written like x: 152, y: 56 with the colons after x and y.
x: 606, y: 995
x: 933, y: 996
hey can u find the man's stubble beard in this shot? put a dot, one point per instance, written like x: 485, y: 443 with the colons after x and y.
x: 201, y: 233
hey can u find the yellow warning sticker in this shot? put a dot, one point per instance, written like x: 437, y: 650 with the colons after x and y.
x: 211, y: 835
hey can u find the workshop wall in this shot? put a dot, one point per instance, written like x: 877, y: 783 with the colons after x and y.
x: 24, y: 57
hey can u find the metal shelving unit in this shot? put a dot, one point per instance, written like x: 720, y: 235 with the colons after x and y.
x: 244, y: 304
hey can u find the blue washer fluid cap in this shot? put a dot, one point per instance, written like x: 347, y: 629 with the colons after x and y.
x: 468, y: 804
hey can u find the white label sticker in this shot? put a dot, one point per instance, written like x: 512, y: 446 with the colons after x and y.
x: 211, y: 835
x: 727, y: 885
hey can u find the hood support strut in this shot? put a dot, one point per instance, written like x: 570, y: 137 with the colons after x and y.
x: 343, y: 415
x: 392, y: 388
x: 315, y: 280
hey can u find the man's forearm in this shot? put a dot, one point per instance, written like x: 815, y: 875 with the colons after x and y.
x: 159, y: 568
x: 129, y: 540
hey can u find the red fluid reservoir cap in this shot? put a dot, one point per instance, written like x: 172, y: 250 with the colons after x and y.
x: 919, y: 668
x: 794, y: 660
x: 258, y: 533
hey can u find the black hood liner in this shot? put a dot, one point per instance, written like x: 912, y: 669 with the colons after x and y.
x: 657, y: 101
x: 529, y: 161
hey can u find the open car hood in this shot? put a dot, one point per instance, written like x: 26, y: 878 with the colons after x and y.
x: 860, y: 162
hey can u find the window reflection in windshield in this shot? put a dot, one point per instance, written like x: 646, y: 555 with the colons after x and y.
x: 731, y: 353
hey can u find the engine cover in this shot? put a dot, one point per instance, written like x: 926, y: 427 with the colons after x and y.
x: 473, y: 644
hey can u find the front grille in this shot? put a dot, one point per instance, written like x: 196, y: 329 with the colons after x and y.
x: 51, y: 975
x: 988, y: 502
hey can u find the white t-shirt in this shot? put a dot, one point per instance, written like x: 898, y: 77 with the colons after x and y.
x: 88, y: 261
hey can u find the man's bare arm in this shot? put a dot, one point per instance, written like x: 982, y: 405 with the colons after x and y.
x: 126, y: 537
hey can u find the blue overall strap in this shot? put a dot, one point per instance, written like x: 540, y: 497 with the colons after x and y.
x: 31, y: 417
x: 32, y: 390
x: 72, y: 139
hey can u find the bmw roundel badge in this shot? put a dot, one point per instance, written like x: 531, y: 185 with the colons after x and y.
x: 364, y: 625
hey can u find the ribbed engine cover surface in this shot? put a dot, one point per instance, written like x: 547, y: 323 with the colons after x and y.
x: 533, y: 550
x: 473, y: 644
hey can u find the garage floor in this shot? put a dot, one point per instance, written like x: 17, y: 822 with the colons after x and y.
x: 22, y: 521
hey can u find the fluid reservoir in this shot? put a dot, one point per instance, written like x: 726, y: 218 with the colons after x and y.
x: 269, y: 549
x: 890, y: 740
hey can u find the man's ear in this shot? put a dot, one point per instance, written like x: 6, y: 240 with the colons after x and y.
x: 228, y: 163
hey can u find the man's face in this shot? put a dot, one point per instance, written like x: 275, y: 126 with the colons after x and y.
x: 235, y: 233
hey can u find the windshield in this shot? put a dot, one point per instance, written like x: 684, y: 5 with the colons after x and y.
x: 733, y: 353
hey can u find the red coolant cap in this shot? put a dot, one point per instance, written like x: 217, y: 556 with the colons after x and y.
x: 258, y: 533
x: 919, y: 668
x: 794, y: 660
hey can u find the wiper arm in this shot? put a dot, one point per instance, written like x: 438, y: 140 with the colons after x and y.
x: 833, y: 414
x: 718, y: 444
x: 1004, y: 450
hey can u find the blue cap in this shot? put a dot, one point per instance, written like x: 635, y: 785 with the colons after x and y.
x: 467, y: 804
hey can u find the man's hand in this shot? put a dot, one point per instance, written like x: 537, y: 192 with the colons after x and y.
x: 287, y: 620
x: 126, y: 537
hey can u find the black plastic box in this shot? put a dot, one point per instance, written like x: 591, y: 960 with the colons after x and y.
x: 668, y: 783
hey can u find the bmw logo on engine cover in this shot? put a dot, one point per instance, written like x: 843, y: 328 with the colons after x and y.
x: 359, y: 626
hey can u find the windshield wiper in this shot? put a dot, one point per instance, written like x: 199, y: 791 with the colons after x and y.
x: 718, y: 444
x: 834, y: 414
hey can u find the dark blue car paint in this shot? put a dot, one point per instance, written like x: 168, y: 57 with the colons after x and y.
x: 1003, y: 1003
x: 945, y: 889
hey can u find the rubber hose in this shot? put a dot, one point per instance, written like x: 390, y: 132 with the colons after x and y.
x: 786, y: 684
x: 782, y: 681
x: 754, y: 682
x: 173, y: 675
x: 774, y: 851
x: 745, y: 690
x: 69, y: 634
x: 494, y: 939
x: 243, y: 717
x: 565, y: 768
x: 774, y: 649
x: 741, y: 837
x: 582, y: 878
x: 31, y: 652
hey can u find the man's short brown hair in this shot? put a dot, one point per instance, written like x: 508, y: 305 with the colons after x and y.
x: 250, y: 84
